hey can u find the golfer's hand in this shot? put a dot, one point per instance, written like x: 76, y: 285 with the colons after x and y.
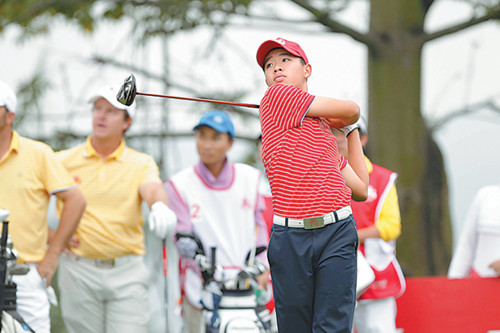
x: 496, y: 266
x: 263, y: 280
x: 47, y: 267
x: 73, y: 242
x: 162, y: 220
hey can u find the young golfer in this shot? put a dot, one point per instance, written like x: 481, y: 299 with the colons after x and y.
x: 312, y: 250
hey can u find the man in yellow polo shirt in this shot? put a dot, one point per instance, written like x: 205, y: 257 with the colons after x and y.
x: 29, y: 174
x: 104, y: 283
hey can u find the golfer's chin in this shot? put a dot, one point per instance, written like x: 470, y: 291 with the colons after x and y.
x: 275, y: 83
x: 104, y: 134
x: 212, y: 160
x: 99, y: 133
x: 207, y: 160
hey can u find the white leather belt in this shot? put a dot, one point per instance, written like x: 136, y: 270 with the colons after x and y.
x: 314, y: 222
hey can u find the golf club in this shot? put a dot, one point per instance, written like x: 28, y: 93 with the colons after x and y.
x: 165, y: 279
x: 128, y: 91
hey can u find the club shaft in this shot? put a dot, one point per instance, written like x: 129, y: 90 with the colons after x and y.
x: 201, y: 100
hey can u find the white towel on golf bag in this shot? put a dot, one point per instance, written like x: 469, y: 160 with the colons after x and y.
x: 10, y: 325
x: 365, y: 275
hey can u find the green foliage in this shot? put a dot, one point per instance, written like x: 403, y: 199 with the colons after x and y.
x: 34, y: 16
x: 29, y: 95
x: 152, y: 17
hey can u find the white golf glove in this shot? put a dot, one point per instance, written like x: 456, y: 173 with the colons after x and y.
x: 349, y: 128
x: 162, y: 220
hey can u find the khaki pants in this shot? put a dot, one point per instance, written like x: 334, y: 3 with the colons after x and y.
x: 193, y: 319
x: 103, y: 298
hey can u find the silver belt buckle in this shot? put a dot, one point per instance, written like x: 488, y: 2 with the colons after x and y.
x: 105, y: 263
x: 314, y: 222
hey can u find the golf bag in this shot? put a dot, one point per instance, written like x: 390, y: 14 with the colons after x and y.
x: 11, y: 321
x: 231, y: 302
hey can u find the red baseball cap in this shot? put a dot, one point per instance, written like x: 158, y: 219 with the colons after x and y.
x: 290, y: 46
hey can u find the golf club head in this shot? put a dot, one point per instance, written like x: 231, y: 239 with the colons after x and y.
x: 19, y: 269
x: 127, y: 92
x: 4, y: 214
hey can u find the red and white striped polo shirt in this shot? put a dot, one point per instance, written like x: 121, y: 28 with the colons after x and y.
x: 300, y: 156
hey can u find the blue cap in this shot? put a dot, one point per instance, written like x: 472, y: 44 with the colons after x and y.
x: 218, y: 120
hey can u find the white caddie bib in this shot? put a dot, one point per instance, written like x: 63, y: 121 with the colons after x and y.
x: 224, y: 218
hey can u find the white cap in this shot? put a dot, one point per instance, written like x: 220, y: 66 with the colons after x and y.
x: 7, y: 97
x: 109, y: 93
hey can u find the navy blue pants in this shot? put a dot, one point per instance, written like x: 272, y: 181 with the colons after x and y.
x: 314, y: 277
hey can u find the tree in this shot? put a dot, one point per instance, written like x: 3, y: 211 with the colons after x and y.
x: 400, y: 138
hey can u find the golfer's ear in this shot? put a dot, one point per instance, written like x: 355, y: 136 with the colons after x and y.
x: 127, y: 124
x: 10, y: 117
x: 307, y: 70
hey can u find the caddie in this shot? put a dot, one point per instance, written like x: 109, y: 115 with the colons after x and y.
x: 219, y: 201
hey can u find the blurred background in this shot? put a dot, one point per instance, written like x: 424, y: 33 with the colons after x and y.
x: 424, y: 72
